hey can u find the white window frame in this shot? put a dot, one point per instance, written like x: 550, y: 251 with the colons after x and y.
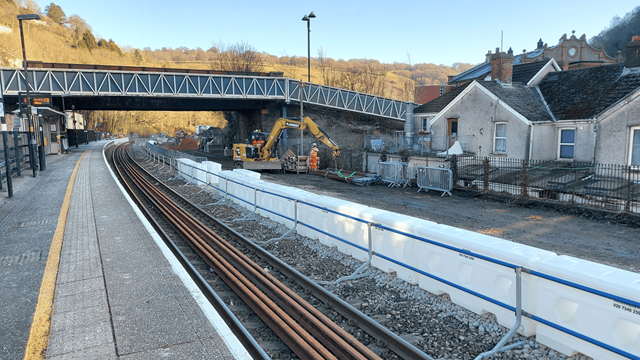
x: 631, y: 131
x: 560, y: 143
x: 425, y: 124
x: 495, y: 137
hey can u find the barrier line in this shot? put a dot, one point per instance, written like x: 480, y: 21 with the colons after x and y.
x: 432, y: 242
x: 40, y: 326
x: 459, y: 287
x: 333, y: 236
x: 587, y: 289
x: 335, y: 212
x: 586, y: 338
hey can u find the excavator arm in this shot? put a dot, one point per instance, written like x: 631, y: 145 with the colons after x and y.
x: 306, y: 123
x: 322, y: 136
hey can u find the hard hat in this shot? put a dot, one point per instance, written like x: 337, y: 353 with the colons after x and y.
x: 314, y: 144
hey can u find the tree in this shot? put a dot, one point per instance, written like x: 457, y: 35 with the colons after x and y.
x: 89, y: 40
x: 55, y: 13
x: 137, y: 57
x: 237, y: 57
x: 78, y: 26
x: 115, y: 48
x: 618, y: 34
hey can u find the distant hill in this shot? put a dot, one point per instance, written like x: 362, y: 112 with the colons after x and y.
x: 619, y: 33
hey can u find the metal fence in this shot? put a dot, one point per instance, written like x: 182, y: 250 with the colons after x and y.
x: 417, y: 144
x: 395, y: 173
x: 18, y: 154
x: 173, y: 154
x: 432, y: 178
x: 610, y: 187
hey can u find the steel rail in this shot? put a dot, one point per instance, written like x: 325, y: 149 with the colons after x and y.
x: 245, y: 338
x: 383, y: 336
x: 216, y: 252
x: 268, y: 311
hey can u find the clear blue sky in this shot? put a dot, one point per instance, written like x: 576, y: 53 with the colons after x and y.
x: 439, y: 32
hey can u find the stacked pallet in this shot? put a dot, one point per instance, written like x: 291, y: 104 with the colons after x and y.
x: 292, y: 162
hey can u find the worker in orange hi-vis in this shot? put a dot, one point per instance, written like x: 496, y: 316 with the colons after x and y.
x: 260, y: 142
x: 313, y: 158
x: 253, y: 141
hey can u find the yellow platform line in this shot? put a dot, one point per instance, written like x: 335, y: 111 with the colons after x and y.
x: 40, y: 327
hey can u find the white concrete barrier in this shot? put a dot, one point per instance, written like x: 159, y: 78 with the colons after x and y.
x: 337, y: 223
x: 604, y: 308
x: 576, y: 305
x: 477, y: 271
x: 392, y: 239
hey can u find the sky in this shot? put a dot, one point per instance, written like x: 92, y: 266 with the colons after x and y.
x: 418, y: 31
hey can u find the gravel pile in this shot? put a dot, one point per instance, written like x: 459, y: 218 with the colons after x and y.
x: 434, y: 324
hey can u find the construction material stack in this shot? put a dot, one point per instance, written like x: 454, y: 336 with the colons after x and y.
x: 351, y: 177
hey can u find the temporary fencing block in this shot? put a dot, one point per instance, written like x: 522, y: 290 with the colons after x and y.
x: 213, y: 168
x: 200, y: 174
x: 477, y: 271
x: 185, y: 168
x: 589, y: 308
x: 396, y: 251
x: 248, y: 173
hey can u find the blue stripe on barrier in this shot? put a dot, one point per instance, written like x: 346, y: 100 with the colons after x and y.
x: 587, y: 289
x: 585, y: 338
x: 275, y: 213
x: 334, y: 212
x: 495, y: 261
x: 241, y: 199
x: 333, y: 236
x: 469, y: 291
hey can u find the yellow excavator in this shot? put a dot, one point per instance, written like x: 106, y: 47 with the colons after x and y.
x: 260, y: 155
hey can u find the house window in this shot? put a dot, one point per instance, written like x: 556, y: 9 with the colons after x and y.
x: 567, y: 143
x: 500, y: 138
x: 635, y: 147
x: 425, y: 124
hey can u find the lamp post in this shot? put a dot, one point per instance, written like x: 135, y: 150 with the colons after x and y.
x: 308, y: 18
x: 32, y: 147
x: 75, y: 126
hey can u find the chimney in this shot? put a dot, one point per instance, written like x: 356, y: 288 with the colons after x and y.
x: 502, y: 66
x: 633, y: 52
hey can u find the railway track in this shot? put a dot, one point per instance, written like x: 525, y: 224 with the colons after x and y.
x: 227, y: 263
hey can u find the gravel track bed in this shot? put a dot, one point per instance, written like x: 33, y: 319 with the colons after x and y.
x: 434, y: 324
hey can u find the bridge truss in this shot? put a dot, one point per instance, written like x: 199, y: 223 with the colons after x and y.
x: 91, y: 82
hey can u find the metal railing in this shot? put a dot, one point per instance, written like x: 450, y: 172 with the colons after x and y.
x: 173, y: 154
x: 417, y: 144
x: 18, y: 154
x: 432, y: 178
x: 604, y: 186
x: 395, y: 173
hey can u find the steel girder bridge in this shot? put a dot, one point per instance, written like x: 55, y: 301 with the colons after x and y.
x: 91, y: 89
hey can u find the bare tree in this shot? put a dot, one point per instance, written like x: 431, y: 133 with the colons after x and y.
x: 237, y: 57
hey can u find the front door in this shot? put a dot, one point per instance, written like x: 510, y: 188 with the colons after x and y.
x: 452, y: 130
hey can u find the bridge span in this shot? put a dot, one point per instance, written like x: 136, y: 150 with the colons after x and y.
x: 95, y: 87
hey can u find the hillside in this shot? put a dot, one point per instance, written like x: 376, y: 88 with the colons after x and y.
x: 69, y: 39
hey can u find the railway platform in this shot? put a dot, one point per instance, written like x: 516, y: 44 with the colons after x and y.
x: 83, y: 277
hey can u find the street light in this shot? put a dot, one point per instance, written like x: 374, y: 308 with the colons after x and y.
x: 308, y: 18
x: 34, y: 165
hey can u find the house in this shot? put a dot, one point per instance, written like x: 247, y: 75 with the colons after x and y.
x: 570, y: 54
x: 537, y: 111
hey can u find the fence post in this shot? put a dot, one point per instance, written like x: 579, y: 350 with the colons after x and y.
x: 16, y: 148
x: 524, y: 179
x: 627, y: 203
x: 454, y: 169
x: 485, y: 174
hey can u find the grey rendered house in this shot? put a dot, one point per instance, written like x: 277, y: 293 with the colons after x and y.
x: 536, y: 111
